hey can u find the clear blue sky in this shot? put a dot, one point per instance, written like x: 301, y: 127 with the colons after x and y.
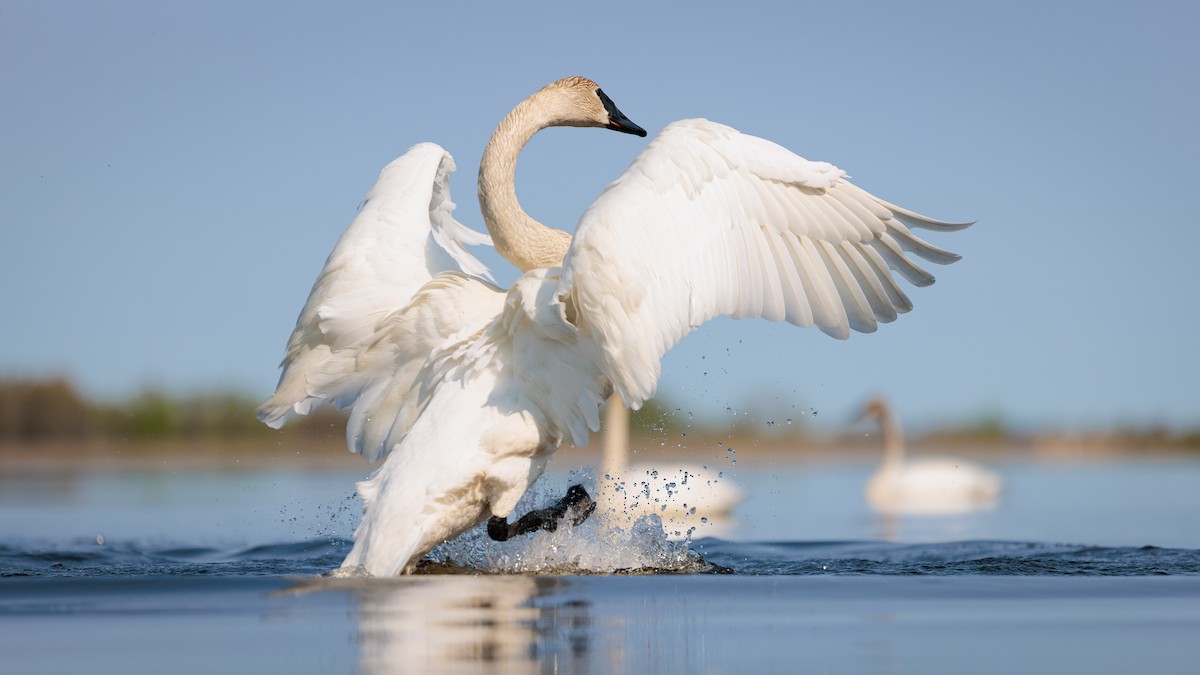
x: 174, y: 175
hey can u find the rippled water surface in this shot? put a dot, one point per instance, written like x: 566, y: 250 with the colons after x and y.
x: 1079, y: 568
x: 87, y: 560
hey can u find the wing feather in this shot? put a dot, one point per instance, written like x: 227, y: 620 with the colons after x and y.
x: 708, y: 221
x: 870, y: 284
x: 774, y: 306
x: 404, y: 234
x: 747, y: 277
x: 798, y: 310
x: 395, y: 367
x: 896, y: 295
x: 893, y: 253
x: 854, y: 301
x: 832, y: 320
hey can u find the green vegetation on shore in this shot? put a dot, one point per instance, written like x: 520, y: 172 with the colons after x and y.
x: 53, y: 411
x: 34, y: 411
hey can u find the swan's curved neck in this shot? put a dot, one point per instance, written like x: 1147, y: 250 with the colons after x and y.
x: 893, y: 439
x: 522, y: 240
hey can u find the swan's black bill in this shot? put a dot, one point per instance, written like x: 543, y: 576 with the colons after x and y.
x: 576, y: 507
x: 617, y: 119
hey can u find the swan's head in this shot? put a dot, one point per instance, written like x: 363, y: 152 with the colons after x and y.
x: 875, y: 408
x: 579, y: 102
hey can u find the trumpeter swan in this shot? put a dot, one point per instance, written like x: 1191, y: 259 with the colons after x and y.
x: 688, y: 497
x: 923, y: 485
x: 468, y: 389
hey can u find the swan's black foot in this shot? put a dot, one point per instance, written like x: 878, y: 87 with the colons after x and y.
x: 576, y: 507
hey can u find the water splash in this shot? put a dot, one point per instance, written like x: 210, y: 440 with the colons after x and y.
x: 618, y: 538
x: 595, y: 547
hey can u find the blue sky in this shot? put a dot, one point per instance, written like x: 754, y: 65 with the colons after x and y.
x: 175, y: 174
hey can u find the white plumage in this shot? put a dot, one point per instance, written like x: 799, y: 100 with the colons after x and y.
x: 924, y: 485
x: 471, y: 388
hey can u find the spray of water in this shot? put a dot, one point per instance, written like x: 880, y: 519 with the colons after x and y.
x: 611, y: 541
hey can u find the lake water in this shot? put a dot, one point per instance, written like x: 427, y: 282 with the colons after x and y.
x: 1079, y: 567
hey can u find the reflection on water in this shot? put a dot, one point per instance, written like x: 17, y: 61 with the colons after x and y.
x: 456, y: 623
x: 899, y: 527
x: 849, y: 623
x: 899, y: 622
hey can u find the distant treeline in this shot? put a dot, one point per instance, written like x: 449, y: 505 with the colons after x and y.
x: 37, y: 410
x: 53, y: 409
x: 34, y: 410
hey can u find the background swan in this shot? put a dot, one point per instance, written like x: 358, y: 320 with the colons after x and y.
x: 924, y: 485
x: 468, y: 389
x: 687, y: 496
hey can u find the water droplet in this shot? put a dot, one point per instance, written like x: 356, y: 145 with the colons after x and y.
x: 789, y: 420
x: 814, y: 412
x: 100, y: 539
x: 692, y: 511
x: 731, y: 451
x: 770, y: 423
x: 704, y: 520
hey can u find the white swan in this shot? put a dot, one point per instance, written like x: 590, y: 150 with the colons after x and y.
x: 469, y: 389
x: 690, y: 498
x: 924, y: 485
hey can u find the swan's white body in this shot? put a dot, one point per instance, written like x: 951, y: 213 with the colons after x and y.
x: 688, y: 497
x: 468, y: 389
x: 924, y: 485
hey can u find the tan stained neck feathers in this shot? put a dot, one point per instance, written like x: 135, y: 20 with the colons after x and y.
x: 522, y: 240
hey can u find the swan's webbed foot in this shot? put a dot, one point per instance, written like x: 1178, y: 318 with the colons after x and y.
x: 576, y: 506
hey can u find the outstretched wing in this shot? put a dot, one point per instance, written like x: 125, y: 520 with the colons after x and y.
x: 404, y: 234
x: 708, y: 221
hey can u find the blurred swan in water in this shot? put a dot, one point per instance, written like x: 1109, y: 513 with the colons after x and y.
x: 468, y: 389
x: 924, y: 485
x: 690, y: 498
